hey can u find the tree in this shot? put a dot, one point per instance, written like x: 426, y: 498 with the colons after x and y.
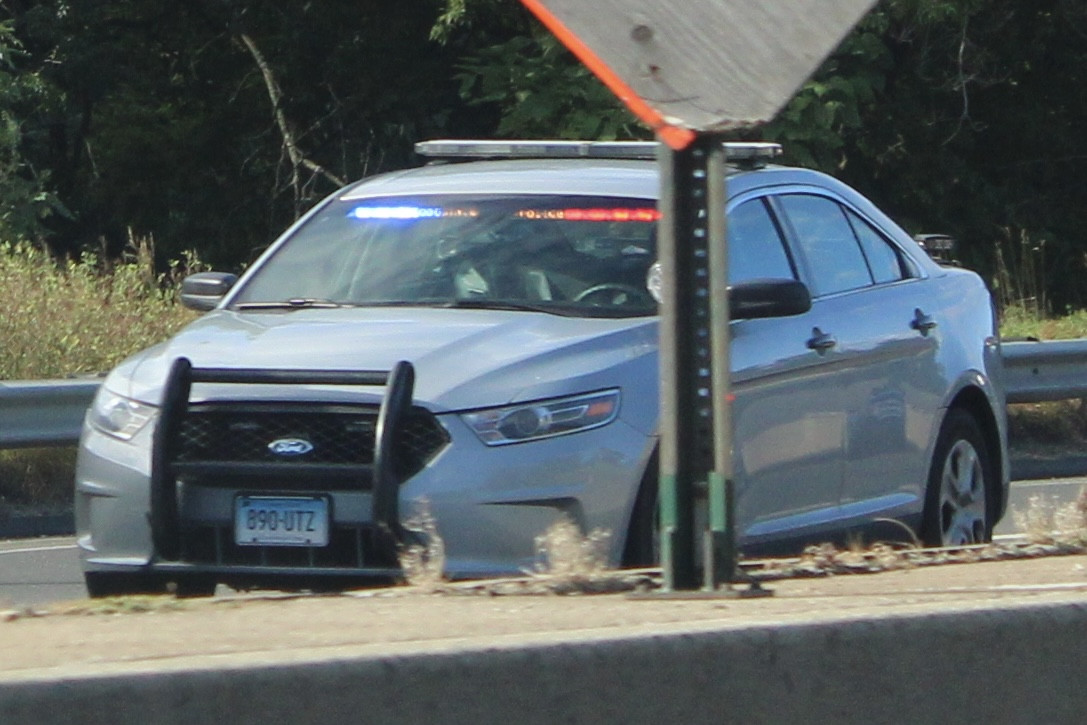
x: 167, y: 122
x: 24, y: 201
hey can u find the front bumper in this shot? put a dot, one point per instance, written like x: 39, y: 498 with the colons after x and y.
x: 490, y: 504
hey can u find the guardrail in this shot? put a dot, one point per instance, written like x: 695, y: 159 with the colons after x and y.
x: 50, y: 412
x: 1036, y: 372
x: 37, y: 413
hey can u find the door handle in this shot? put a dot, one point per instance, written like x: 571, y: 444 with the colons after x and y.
x: 821, y: 341
x: 922, y: 322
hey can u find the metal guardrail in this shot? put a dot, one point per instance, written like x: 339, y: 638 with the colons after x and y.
x: 43, y: 412
x: 1036, y: 372
x: 50, y: 412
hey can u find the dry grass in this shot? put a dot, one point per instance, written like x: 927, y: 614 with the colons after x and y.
x: 40, y: 478
x: 1061, y: 422
x: 424, y: 564
x: 64, y: 318
x: 566, y: 554
x: 568, y: 561
x: 1046, y: 521
x: 828, y: 559
x: 80, y: 317
x: 109, y: 606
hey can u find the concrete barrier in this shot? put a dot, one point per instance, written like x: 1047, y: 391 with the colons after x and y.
x: 1020, y: 663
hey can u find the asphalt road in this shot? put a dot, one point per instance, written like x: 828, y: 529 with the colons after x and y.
x: 41, y: 571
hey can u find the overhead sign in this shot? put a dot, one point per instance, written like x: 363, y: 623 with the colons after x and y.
x: 701, y: 65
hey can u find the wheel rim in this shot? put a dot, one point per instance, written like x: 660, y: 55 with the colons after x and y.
x: 962, y: 496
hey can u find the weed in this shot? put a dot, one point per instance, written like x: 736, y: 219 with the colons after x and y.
x: 66, y: 318
x: 565, y: 554
x: 1046, y: 522
x: 1060, y: 421
x: 423, y: 564
x: 78, y: 317
x: 1019, y: 322
x: 1022, y: 272
x: 38, y: 477
x: 827, y: 559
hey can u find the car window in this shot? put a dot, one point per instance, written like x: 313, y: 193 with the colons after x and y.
x: 756, y: 249
x: 884, y: 259
x: 828, y: 243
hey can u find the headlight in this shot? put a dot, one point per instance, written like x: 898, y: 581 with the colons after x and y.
x: 543, y: 419
x: 118, y: 416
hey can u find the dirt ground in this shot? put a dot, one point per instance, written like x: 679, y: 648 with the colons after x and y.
x: 86, y: 636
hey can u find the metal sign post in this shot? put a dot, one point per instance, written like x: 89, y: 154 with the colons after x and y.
x: 720, y: 534
x: 696, y: 440
x: 690, y: 73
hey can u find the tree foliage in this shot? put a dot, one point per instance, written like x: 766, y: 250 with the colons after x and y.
x: 162, y: 121
x: 211, y: 124
x: 25, y: 201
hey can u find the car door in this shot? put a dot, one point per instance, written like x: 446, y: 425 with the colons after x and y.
x: 788, y: 454
x: 870, y: 303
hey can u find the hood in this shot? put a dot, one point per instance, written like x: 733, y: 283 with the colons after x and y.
x: 463, y: 358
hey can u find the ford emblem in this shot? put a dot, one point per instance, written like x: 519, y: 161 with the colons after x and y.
x: 290, y: 447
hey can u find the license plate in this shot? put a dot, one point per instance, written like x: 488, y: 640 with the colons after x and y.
x: 280, y: 521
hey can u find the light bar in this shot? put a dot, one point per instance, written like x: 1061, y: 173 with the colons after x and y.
x: 592, y: 215
x: 409, y: 212
x: 453, y: 149
x: 537, y: 149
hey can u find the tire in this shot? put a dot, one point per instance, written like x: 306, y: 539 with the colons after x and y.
x: 116, y: 584
x: 642, y: 547
x: 960, y: 485
x: 194, y: 587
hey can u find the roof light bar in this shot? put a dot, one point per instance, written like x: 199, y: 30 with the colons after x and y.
x: 453, y: 149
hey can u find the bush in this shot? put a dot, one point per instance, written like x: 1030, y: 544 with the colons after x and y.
x: 81, y: 316
x: 70, y: 318
x: 1018, y: 322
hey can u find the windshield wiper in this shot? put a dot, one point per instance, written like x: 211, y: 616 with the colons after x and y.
x: 295, y: 303
x: 486, y: 304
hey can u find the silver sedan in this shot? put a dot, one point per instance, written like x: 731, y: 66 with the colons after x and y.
x: 481, y: 338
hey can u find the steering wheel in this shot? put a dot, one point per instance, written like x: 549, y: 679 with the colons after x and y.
x: 615, y: 293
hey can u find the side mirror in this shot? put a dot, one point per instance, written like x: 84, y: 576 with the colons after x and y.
x: 758, y: 298
x: 203, y: 290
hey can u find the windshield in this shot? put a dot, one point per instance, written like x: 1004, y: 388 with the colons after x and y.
x: 586, y: 256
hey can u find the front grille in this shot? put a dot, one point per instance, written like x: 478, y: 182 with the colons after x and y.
x: 334, y: 435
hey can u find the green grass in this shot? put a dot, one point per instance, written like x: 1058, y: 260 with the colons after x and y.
x: 73, y: 318
x: 1018, y: 323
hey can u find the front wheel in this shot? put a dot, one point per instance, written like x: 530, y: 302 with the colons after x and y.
x: 643, y: 547
x: 960, y: 483
x: 117, y: 584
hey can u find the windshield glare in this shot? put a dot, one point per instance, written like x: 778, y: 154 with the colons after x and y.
x: 570, y: 255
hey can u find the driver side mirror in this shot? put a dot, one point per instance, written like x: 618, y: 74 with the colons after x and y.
x: 203, y: 290
x: 758, y: 298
